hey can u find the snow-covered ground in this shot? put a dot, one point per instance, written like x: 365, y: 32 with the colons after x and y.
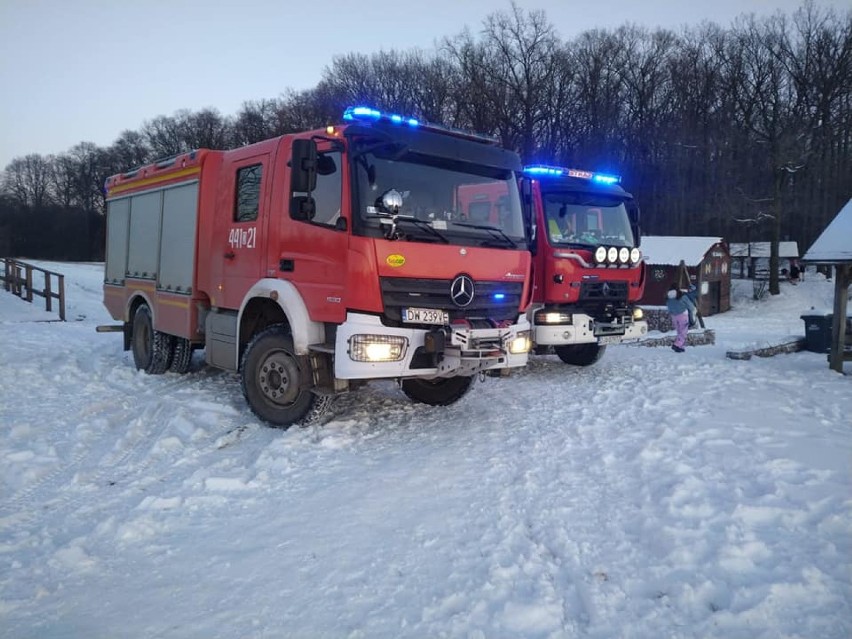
x: 652, y: 495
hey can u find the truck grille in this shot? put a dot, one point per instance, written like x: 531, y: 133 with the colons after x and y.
x: 603, y: 292
x: 399, y: 292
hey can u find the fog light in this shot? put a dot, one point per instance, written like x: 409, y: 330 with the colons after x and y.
x: 635, y: 255
x: 521, y: 343
x: 638, y: 313
x: 377, y: 348
x: 550, y: 317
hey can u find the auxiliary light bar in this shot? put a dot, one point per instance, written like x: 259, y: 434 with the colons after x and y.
x: 370, y: 114
x: 541, y: 170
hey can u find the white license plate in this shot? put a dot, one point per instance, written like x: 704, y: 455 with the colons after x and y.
x: 610, y: 339
x: 425, y: 316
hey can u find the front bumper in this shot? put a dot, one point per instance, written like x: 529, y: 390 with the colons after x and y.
x: 584, y: 329
x: 446, y: 351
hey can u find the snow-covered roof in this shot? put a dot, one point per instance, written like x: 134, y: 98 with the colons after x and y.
x: 835, y: 243
x: 761, y: 249
x: 671, y: 249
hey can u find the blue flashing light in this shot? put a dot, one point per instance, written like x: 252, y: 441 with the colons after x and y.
x: 361, y: 113
x: 499, y: 296
x: 600, y: 178
x: 540, y: 170
x: 370, y: 114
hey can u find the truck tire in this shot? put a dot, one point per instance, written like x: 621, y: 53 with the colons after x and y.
x: 272, y: 377
x: 437, y: 392
x: 581, y: 354
x: 152, y: 350
x: 182, y: 356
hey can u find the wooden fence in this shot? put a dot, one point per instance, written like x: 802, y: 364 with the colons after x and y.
x: 18, y: 278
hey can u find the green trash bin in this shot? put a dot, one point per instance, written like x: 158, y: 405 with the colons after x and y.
x: 818, y: 332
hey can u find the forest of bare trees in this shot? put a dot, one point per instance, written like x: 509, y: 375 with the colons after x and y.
x: 738, y: 132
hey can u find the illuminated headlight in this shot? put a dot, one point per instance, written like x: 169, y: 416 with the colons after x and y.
x: 377, y: 348
x: 638, y: 314
x: 521, y: 343
x: 623, y: 254
x: 635, y: 255
x: 549, y: 317
x: 600, y: 254
x: 612, y: 255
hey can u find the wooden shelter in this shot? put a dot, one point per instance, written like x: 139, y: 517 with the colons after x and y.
x: 834, y: 248
x: 706, y: 261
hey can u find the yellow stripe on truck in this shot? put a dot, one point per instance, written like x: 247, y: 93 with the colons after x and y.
x: 154, y: 179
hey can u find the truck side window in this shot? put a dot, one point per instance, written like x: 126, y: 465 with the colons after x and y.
x: 247, y: 199
x: 327, y: 195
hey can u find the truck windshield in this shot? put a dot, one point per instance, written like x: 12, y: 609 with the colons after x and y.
x: 453, y: 202
x: 586, y: 219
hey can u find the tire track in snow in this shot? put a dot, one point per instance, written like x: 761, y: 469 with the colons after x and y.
x: 126, y: 449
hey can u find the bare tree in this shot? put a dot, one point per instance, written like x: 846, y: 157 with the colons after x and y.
x: 27, y: 180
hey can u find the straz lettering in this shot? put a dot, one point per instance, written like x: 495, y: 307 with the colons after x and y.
x: 243, y: 238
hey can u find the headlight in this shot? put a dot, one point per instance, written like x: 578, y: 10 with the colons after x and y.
x: 377, y: 348
x: 635, y: 255
x: 550, y: 317
x: 521, y: 343
x: 638, y: 313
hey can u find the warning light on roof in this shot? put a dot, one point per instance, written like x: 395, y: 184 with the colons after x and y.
x: 370, y: 114
x: 540, y: 170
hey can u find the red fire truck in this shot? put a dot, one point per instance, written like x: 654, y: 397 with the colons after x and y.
x: 587, y: 268
x: 314, y: 262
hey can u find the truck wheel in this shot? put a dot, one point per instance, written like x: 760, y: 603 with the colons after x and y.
x: 580, y: 355
x: 182, y: 356
x: 152, y: 350
x: 437, y: 392
x: 272, y: 378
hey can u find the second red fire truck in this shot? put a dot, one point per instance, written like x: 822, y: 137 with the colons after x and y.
x: 588, y: 271
x: 587, y: 267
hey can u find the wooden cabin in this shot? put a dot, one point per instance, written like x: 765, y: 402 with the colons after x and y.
x: 707, y: 261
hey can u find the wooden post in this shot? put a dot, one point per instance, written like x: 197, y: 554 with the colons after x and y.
x: 843, y: 275
x: 48, y: 298
x: 62, y: 297
x: 29, y: 270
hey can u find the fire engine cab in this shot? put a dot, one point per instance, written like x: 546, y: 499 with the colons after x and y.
x: 313, y: 262
x: 587, y: 267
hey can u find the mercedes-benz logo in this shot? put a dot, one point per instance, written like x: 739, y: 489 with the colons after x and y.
x: 462, y: 291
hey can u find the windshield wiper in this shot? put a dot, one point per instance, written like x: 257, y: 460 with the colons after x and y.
x: 495, y: 231
x: 394, y: 220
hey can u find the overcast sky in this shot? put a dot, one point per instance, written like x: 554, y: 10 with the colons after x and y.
x: 85, y: 70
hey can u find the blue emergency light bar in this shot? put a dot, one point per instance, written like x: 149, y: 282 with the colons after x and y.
x: 541, y: 170
x: 369, y: 114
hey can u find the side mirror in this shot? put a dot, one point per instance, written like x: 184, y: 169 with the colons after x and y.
x: 302, y: 207
x: 303, y: 166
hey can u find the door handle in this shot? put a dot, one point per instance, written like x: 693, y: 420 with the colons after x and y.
x: 230, y: 255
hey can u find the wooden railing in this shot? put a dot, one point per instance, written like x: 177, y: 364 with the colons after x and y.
x: 18, y: 278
